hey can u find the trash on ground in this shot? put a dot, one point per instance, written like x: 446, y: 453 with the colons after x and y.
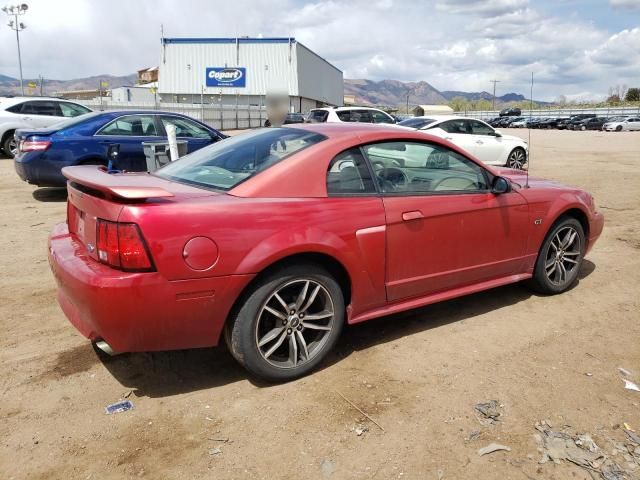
x: 624, y: 371
x: 215, y: 451
x: 489, y: 410
x: 360, y: 429
x: 635, y: 438
x: 473, y: 435
x: 586, y: 442
x: 118, y: 407
x: 493, y: 447
x: 630, y: 385
x: 612, y: 472
x: 589, y: 374
x: 327, y: 467
x: 128, y: 394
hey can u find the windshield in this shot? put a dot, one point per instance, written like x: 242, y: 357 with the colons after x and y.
x: 225, y: 164
x: 416, y: 122
x: 74, y: 120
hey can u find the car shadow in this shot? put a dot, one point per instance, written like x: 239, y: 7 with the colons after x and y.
x: 50, y: 194
x: 162, y: 374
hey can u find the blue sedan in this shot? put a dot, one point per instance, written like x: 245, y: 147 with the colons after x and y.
x: 84, y: 140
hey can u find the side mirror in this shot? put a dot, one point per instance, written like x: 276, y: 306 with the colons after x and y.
x: 500, y: 185
x: 497, y: 133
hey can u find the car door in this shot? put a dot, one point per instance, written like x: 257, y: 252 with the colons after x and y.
x: 486, y: 144
x: 129, y: 131
x: 457, y: 131
x: 194, y: 134
x: 444, y: 227
x: 41, y: 113
x: 634, y: 123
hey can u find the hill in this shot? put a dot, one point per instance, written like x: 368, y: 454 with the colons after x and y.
x: 11, y: 86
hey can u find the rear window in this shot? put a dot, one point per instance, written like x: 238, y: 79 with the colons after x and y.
x: 224, y: 165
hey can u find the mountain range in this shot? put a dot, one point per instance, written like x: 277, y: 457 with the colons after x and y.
x: 394, y: 92
x: 366, y: 92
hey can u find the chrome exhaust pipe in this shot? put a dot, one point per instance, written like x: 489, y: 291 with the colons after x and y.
x: 106, y: 348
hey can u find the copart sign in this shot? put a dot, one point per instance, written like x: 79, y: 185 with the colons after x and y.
x: 226, y: 77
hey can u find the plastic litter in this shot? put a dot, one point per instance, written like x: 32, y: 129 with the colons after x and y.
x: 630, y: 385
x: 489, y: 410
x: 215, y: 451
x: 118, y: 407
x: 624, y: 371
x: 493, y: 447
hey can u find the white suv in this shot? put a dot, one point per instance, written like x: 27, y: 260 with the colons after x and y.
x: 349, y: 114
x: 32, y: 112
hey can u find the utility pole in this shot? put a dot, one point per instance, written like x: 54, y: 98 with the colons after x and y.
x: 494, y: 93
x: 14, y: 11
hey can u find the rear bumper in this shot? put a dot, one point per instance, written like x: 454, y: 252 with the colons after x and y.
x: 34, y: 169
x: 138, y: 311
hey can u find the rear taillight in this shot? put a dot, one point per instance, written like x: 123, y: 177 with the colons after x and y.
x: 120, y: 245
x: 34, y: 145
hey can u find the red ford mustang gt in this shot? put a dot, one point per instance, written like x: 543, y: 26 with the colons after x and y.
x: 275, y: 238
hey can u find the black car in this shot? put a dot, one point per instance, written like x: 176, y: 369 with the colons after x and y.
x: 290, y: 118
x: 595, y: 123
x: 510, y: 112
x: 549, y: 123
x: 576, y: 119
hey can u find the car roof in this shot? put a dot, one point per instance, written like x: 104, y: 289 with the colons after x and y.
x: 13, y: 100
x: 342, y: 109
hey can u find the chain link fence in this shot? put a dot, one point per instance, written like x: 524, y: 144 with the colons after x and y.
x: 220, y: 117
x: 559, y: 112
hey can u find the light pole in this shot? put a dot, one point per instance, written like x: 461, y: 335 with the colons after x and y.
x: 493, y: 107
x: 15, y: 10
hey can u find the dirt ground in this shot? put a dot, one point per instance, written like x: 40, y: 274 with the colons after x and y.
x: 418, y: 374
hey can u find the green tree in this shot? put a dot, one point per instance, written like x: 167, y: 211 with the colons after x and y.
x: 459, y: 104
x: 633, y: 95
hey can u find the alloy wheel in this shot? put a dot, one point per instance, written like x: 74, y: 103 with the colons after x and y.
x: 563, y: 256
x: 516, y: 159
x: 13, y: 147
x: 294, y: 323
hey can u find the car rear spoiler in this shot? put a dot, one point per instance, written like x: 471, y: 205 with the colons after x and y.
x: 130, y: 186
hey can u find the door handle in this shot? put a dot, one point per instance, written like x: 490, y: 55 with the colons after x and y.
x: 412, y: 215
x: 26, y: 118
x: 479, y: 142
x: 448, y: 138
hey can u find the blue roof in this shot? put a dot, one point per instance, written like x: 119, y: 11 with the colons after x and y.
x: 230, y: 40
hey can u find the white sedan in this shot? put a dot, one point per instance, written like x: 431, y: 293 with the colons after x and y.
x: 622, y: 124
x: 481, y: 140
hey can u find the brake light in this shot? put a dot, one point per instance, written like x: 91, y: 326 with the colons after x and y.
x: 120, y: 245
x: 34, y: 145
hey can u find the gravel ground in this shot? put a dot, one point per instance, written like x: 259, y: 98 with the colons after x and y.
x: 418, y: 374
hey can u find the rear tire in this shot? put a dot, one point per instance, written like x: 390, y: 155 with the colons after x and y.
x: 560, y: 257
x: 9, y: 145
x: 619, y: 128
x: 279, y: 345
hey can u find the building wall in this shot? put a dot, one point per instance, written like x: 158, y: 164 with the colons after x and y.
x: 268, y: 66
x: 272, y: 65
x: 132, y: 94
x: 318, y: 79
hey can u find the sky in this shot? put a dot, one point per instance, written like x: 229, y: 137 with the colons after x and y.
x: 575, y: 48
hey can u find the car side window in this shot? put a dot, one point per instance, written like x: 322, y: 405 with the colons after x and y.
x: 131, y: 125
x: 16, y: 108
x: 344, y: 115
x: 379, y: 117
x: 348, y: 174
x: 456, y: 126
x: 405, y: 167
x: 186, y: 128
x: 72, y: 110
x: 45, y: 108
x: 479, y: 128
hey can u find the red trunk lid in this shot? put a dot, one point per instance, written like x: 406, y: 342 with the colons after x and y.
x: 94, y: 193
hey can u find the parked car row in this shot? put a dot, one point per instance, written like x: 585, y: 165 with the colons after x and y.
x: 583, y: 121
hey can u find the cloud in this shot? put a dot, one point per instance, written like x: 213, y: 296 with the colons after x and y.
x: 456, y: 45
x: 631, y: 4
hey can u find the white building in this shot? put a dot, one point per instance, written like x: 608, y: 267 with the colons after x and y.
x: 243, y: 70
x: 133, y: 94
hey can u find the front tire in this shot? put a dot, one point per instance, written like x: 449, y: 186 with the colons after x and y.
x: 619, y: 128
x: 560, y: 257
x: 517, y: 158
x: 287, y: 323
